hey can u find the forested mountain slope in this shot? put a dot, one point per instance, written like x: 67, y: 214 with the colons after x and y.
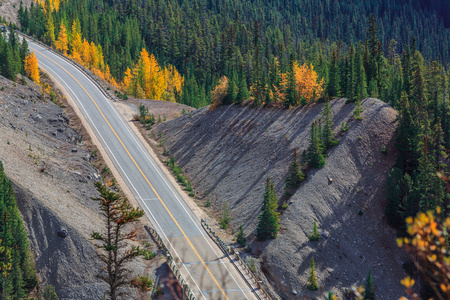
x: 228, y: 153
x: 206, y: 39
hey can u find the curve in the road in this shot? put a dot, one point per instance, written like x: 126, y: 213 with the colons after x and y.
x: 187, y: 239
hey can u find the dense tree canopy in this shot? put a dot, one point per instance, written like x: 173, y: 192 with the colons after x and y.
x: 255, y: 41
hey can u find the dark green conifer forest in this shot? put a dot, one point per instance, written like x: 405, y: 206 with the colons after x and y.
x: 254, y: 42
x: 18, y: 273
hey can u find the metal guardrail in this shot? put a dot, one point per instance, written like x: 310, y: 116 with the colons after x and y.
x: 220, y: 243
x: 227, y: 250
x: 80, y: 67
x: 187, y: 291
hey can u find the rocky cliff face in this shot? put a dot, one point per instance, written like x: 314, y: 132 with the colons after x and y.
x: 229, y: 152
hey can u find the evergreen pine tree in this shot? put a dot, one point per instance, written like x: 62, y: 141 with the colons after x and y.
x: 312, y: 284
x: 49, y: 293
x: 360, y: 74
x: 333, y: 88
x: 241, y: 237
x: 295, y: 174
x: 351, y: 78
x: 49, y: 37
x: 315, y: 235
x: 418, y: 87
x: 374, y: 50
x: 291, y: 91
x: 328, y: 139
x: 330, y: 296
x: 268, y: 226
x: 407, y: 139
x: 358, y: 110
x: 314, y: 156
x: 115, y: 253
x: 243, y: 93
x: 369, y: 291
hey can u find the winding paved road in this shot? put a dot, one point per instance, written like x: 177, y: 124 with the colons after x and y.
x: 209, y: 273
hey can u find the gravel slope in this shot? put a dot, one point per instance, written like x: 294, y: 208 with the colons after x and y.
x: 229, y: 152
x: 53, y: 174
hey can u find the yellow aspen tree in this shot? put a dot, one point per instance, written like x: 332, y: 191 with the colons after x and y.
x: 127, y: 82
x: 75, y: 41
x: 31, y: 67
x: 175, y: 79
x: 55, y: 4
x: 93, y: 58
x: 151, y: 77
x: 85, y: 52
x: 62, y: 42
x: 107, y: 73
x: 157, y: 79
x: 307, y: 83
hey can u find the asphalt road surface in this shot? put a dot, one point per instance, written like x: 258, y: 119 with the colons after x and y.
x: 208, y: 272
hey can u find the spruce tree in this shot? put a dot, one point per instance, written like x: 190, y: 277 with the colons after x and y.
x: 328, y: 139
x: 243, y: 93
x: 358, y: 110
x: 360, y: 74
x: 312, y: 284
x: 268, y: 226
x: 330, y: 296
x: 333, y: 88
x: 407, y: 139
x: 351, y: 78
x: 291, y: 91
x: 49, y: 293
x: 369, y: 291
x: 314, y: 156
x: 241, y: 237
x: 315, y: 235
x: 114, y: 252
x: 295, y: 174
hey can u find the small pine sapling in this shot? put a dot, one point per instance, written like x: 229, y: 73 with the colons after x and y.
x: 313, y: 285
x: 315, y: 236
x: 295, y: 175
x: 225, y: 216
x: 344, y: 127
x: 358, y: 110
x: 241, y: 237
x: 369, y: 291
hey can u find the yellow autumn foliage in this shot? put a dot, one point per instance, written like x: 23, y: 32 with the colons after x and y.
x: 149, y: 80
x: 307, y: 83
x: 428, y: 248
x: 31, y: 67
x: 62, y: 42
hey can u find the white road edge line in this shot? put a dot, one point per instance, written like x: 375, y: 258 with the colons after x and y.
x: 138, y: 142
x: 117, y: 162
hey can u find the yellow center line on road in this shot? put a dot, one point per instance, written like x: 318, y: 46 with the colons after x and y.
x: 146, y: 179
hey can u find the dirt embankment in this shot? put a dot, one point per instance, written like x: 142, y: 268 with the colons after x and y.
x: 53, y: 173
x: 228, y: 154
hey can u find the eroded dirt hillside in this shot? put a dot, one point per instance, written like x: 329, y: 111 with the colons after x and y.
x: 228, y: 154
x: 53, y: 174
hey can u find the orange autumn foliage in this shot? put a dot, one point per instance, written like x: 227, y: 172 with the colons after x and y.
x: 307, y: 83
x: 153, y: 80
x: 54, y: 5
x: 31, y: 67
x: 174, y: 80
x: 149, y: 80
x: 63, y: 41
x: 428, y: 247
x: 75, y: 41
x: 127, y: 81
